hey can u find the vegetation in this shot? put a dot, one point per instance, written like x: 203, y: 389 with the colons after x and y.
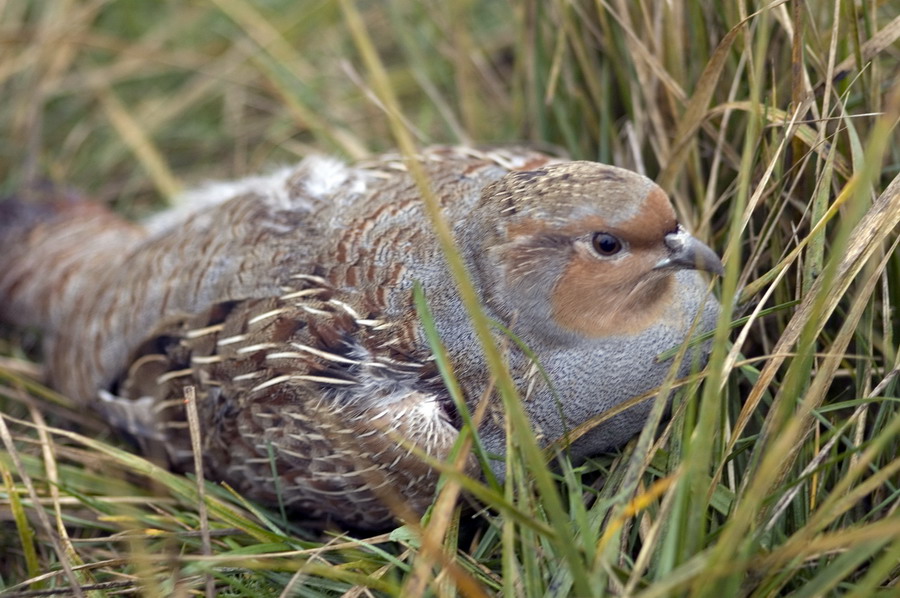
x: 773, y: 126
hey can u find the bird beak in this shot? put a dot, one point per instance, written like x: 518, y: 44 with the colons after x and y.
x: 687, y: 252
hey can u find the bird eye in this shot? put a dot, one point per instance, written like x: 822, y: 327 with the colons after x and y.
x: 606, y: 244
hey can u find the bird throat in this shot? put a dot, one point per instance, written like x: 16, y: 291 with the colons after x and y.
x: 581, y: 307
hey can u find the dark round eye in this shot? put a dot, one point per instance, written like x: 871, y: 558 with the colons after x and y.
x: 606, y: 244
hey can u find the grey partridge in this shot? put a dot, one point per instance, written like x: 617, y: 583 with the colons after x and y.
x: 287, y: 302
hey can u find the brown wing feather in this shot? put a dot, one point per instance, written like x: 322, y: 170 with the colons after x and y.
x: 290, y: 385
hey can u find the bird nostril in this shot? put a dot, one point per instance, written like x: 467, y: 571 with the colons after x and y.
x: 677, y: 240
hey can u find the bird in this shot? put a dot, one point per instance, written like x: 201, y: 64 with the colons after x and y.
x: 286, y: 301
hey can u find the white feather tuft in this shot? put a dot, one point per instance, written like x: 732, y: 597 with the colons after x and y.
x: 273, y: 188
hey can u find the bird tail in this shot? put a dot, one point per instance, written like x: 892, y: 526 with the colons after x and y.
x: 52, y: 242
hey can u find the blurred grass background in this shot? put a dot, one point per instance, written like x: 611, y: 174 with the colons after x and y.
x: 773, y: 126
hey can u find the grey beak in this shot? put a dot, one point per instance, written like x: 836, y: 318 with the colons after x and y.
x: 686, y: 252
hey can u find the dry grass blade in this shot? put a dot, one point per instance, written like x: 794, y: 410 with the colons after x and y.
x: 865, y: 239
x: 272, y: 42
x: 135, y: 138
x: 883, y: 39
x: 695, y: 112
x: 190, y: 399
x: 61, y: 553
x: 879, y: 222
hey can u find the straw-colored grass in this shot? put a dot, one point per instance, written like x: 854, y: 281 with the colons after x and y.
x: 772, y: 125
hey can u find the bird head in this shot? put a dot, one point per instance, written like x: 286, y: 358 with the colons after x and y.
x: 583, y: 250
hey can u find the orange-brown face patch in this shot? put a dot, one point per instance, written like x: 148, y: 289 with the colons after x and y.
x: 647, y: 227
x: 655, y: 218
x: 596, y: 299
x: 601, y: 297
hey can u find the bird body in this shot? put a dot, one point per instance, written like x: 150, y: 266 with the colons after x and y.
x: 287, y: 302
